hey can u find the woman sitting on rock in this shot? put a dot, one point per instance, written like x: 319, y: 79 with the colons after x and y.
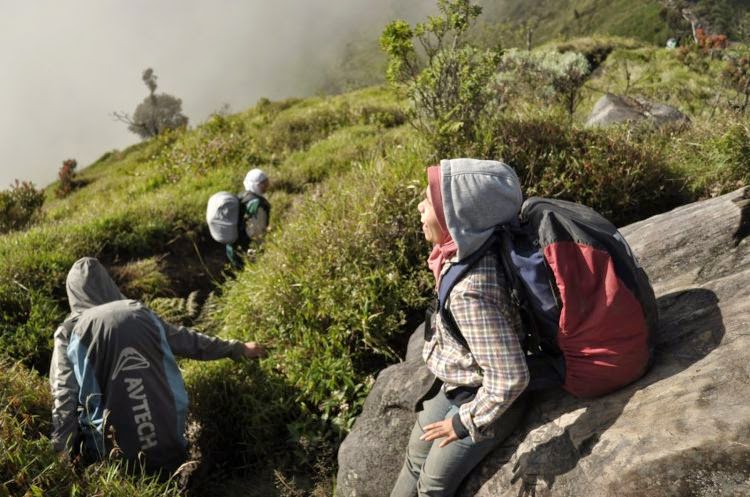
x: 483, y: 369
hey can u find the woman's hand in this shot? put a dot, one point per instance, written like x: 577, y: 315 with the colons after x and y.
x: 254, y: 350
x: 440, y: 429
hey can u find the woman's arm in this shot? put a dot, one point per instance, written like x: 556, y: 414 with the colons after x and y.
x: 488, y: 323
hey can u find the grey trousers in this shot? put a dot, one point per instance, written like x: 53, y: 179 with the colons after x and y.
x: 430, y: 471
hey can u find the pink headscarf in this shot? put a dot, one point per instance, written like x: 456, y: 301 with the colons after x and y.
x: 446, y: 249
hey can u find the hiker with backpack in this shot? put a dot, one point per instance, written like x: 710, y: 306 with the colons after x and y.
x: 255, y: 211
x: 240, y: 221
x: 483, y: 376
x: 114, y: 379
x: 530, y: 296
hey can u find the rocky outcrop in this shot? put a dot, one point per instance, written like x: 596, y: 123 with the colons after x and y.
x: 613, y: 109
x: 682, y: 430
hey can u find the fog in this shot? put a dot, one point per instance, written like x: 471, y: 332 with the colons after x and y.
x: 68, y: 65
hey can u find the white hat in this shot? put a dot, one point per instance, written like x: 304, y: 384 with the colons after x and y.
x: 253, y: 179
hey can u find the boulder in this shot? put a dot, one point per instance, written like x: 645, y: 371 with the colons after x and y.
x: 615, y: 109
x: 371, y: 455
x: 682, y: 430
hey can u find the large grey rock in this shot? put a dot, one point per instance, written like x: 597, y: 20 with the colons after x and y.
x: 614, y: 109
x: 372, y: 454
x: 682, y: 430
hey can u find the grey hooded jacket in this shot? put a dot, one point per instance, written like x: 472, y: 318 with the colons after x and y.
x: 486, y: 372
x: 107, y: 338
x: 478, y: 195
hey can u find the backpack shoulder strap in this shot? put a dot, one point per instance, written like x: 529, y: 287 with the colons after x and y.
x: 449, y: 279
x: 251, y: 202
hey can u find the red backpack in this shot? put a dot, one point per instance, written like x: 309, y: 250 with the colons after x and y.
x: 587, y: 305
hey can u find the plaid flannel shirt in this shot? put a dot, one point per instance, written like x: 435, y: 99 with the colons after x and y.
x: 495, y: 361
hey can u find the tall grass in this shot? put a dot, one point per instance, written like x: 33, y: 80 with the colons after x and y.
x: 332, y: 296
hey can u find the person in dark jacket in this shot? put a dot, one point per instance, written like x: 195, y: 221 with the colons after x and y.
x: 114, y: 379
x: 483, y: 373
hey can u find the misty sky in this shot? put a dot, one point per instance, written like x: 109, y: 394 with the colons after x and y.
x: 66, y: 66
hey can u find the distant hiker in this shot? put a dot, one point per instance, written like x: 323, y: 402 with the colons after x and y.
x: 255, y: 215
x: 483, y: 375
x: 240, y: 222
x: 115, y: 383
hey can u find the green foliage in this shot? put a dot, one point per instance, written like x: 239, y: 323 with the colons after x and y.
x: 721, y: 16
x: 714, y: 158
x: 241, y: 416
x: 142, y: 279
x: 448, y: 80
x: 176, y: 310
x: 20, y: 206
x: 219, y: 143
x: 658, y: 75
x: 616, y: 172
x: 550, y: 75
x: 336, y: 154
x: 330, y: 295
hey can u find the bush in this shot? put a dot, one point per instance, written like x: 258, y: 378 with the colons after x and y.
x: 449, y: 87
x: 297, y: 128
x: 66, y: 175
x: 608, y: 170
x: 550, y: 75
x: 736, y: 74
x: 19, y: 206
x: 142, y: 279
x: 222, y: 142
x: 715, y: 159
x: 332, y: 295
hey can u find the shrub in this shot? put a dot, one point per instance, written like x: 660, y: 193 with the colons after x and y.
x: 715, y: 159
x: 221, y: 142
x: 19, y: 206
x: 142, y: 279
x: 297, y: 128
x: 176, y: 310
x: 332, y: 295
x: 66, y: 175
x: 609, y: 170
x: 449, y: 87
x: 550, y: 75
x: 736, y: 74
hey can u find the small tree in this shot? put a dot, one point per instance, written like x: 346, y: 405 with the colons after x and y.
x: 156, y: 113
x: 66, y: 175
x: 19, y: 206
x: 448, y: 81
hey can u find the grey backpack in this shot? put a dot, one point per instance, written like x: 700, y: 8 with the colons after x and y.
x: 222, y: 216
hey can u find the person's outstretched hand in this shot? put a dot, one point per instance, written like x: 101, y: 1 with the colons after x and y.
x: 254, y: 350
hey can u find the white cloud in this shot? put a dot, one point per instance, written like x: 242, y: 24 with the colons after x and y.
x: 68, y: 65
